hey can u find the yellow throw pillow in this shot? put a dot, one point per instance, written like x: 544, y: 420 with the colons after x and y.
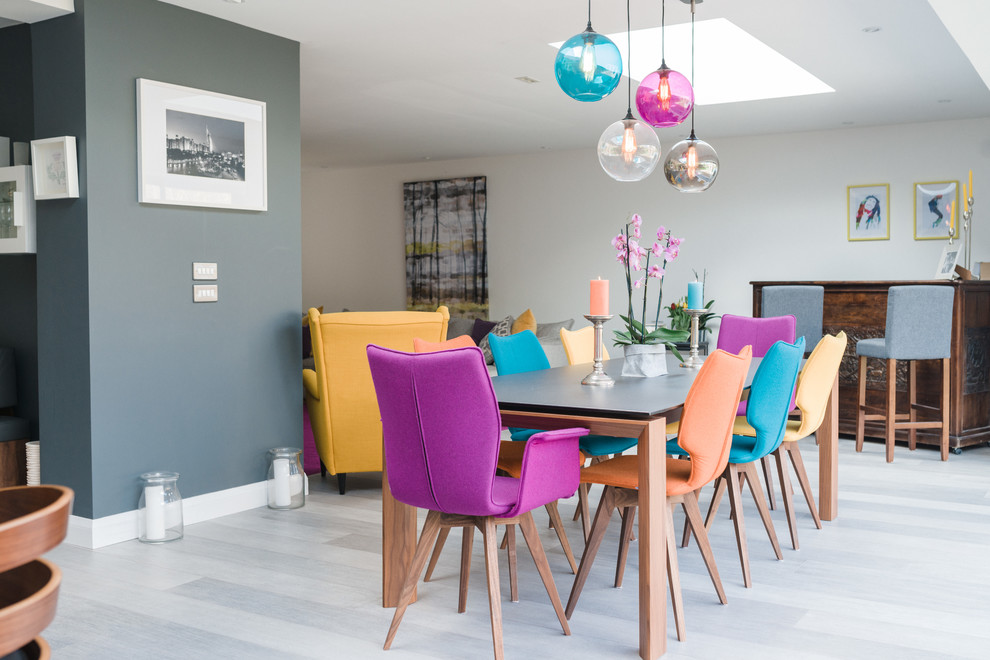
x: 525, y: 321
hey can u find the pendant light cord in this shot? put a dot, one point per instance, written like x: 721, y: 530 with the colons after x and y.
x: 663, y: 34
x: 629, y: 114
x: 692, y: 68
x: 589, y: 14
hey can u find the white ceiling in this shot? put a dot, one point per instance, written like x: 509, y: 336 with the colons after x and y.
x: 398, y: 81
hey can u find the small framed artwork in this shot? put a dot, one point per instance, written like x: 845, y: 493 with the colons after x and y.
x: 935, y: 210
x: 200, y: 148
x: 947, y: 262
x: 868, y: 209
x: 55, y: 172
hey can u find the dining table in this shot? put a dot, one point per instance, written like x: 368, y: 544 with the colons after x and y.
x: 632, y: 407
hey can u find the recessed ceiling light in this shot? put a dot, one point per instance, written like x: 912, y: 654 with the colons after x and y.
x: 848, y: 123
x: 725, y: 58
x: 527, y: 80
x: 235, y: 2
x: 945, y: 100
x: 871, y: 29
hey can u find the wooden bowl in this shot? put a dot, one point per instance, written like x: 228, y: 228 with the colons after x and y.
x: 36, y: 649
x: 33, y: 520
x: 28, y: 595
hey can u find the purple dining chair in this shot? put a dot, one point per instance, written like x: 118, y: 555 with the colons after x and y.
x: 441, y: 427
x: 734, y: 332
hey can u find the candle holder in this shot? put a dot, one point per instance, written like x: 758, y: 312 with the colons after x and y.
x: 693, y: 361
x: 598, y: 376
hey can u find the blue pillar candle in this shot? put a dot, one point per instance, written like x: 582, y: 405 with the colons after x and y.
x: 696, y: 295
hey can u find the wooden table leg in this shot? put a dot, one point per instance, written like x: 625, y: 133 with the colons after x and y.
x: 652, y: 545
x: 828, y: 457
x: 398, y: 543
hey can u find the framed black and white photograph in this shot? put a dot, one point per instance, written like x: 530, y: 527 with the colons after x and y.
x: 946, y: 268
x: 935, y: 210
x: 200, y: 148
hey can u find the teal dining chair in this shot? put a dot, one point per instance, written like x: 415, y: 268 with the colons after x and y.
x: 769, y: 403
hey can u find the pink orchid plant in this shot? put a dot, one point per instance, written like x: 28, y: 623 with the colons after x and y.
x: 636, y: 259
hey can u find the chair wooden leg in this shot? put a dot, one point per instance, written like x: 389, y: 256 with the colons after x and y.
x: 437, y: 549
x: 429, y: 534
x: 912, y: 402
x: 768, y: 480
x: 891, y: 412
x: 786, y: 493
x: 467, y: 541
x: 794, y: 451
x: 598, y: 529
x: 861, y: 405
x: 625, y: 536
x: 494, y: 597
x: 761, y: 506
x: 532, y: 537
x: 735, y: 502
x: 693, y: 515
x: 674, y: 575
x: 585, y: 511
x: 558, y: 527
x: 721, y: 484
x: 510, y: 535
x: 945, y: 410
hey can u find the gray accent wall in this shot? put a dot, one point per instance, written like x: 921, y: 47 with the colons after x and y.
x: 135, y: 377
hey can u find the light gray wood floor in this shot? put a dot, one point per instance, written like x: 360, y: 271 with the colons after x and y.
x: 902, y: 573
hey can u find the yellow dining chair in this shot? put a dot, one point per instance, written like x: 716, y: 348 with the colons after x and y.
x: 579, y: 345
x: 339, y: 393
x: 813, y: 388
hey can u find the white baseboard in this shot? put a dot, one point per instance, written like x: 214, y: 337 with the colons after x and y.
x: 124, y: 526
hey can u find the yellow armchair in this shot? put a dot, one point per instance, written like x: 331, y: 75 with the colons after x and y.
x: 340, y: 395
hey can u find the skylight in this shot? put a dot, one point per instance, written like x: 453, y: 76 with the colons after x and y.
x: 731, y: 65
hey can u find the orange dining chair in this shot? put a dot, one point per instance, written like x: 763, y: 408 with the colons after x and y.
x: 424, y: 346
x: 706, y: 435
x: 813, y: 388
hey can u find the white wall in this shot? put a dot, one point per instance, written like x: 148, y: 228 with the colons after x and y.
x: 776, y: 212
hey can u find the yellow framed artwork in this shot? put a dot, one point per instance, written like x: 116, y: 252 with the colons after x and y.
x: 868, y: 212
x: 935, y: 212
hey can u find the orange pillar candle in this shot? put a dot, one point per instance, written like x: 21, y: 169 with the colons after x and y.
x: 599, y: 297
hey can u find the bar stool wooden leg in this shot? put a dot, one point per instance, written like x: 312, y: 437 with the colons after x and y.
x: 912, y: 402
x: 891, y: 412
x: 861, y: 408
x: 945, y: 409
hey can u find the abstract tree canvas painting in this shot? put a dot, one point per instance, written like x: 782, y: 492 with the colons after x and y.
x: 447, y: 246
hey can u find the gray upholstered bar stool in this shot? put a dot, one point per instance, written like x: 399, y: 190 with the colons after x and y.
x: 919, y: 327
x: 804, y: 302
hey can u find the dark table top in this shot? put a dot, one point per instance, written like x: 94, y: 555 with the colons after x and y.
x: 559, y: 390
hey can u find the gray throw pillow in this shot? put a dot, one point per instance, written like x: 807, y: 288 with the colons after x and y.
x: 458, y: 326
x: 502, y: 329
x: 552, y: 330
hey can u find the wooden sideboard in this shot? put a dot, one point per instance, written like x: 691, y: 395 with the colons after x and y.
x: 860, y: 309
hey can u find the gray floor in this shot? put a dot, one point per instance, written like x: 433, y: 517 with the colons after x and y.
x: 901, y: 574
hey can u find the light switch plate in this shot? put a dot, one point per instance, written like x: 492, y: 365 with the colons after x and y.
x: 204, y: 271
x: 205, y: 293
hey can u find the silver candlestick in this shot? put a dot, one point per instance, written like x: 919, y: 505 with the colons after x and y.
x: 598, y: 375
x: 694, y: 361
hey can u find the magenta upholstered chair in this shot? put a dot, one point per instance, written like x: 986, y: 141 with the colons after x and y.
x: 441, y: 425
x: 734, y: 332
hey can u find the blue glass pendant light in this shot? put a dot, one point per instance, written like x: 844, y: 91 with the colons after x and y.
x: 588, y: 65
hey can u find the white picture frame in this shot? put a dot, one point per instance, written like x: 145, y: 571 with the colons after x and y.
x: 201, y: 148
x: 55, y: 172
x: 946, y: 268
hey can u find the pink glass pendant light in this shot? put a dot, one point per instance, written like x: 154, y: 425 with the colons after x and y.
x: 665, y: 97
